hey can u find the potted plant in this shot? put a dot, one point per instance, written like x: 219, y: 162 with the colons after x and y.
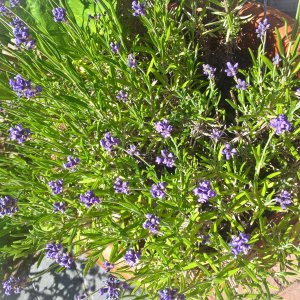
x: 162, y: 152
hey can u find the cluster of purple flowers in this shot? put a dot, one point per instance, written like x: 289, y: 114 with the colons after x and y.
x: 108, y: 266
x: 204, y: 191
x: 89, y: 198
x: 216, y: 134
x: 164, y: 128
x: 123, y: 96
x: 121, y: 187
x: 228, y: 151
x: 23, y: 87
x: 284, y: 199
x: 108, y: 142
x: 59, y: 207
x: 56, y: 186
x: 280, y: 124
x: 8, y: 206
x: 13, y: 285
x: 115, y: 48
x: 231, y: 70
x: 132, y: 150
x: 71, y: 162
x: 56, y: 252
x: 242, y: 84
x: 209, y: 71
x: 158, y: 190
x: 139, y: 8
x: 167, y: 159
x: 113, y: 288
x: 19, y: 134
x: 262, y: 28
x: 131, y: 257
x: 240, y: 244
x: 131, y: 61
x: 170, y: 294
x: 59, y: 14
x: 152, y: 223
x: 21, y: 33
x: 14, y: 3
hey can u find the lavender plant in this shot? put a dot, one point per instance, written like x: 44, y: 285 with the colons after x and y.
x: 129, y: 140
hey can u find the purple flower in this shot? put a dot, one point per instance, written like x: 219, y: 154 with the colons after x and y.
x: 13, y: 285
x: 158, y: 190
x: 108, y: 142
x: 231, y: 70
x: 131, y: 61
x: 115, y: 48
x: 4, y: 10
x: 8, y: 206
x: 14, y: 3
x: 53, y: 250
x: 131, y: 257
x: 242, y: 84
x: 170, y: 294
x: 240, y: 244
x: 59, y: 206
x: 19, y: 134
x: 152, y: 223
x: 132, y: 150
x: 276, y: 59
x: 65, y: 260
x: 108, y: 266
x: 139, y: 8
x: 167, y: 159
x: 82, y: 296
x: 121, y: 186
x: 204, y: 191
x: 56, y: 252
x: 89, y: 198
x: 262, y: 28
x: 228, y: 151
x: 123, y: 96
x: 209, y: 71
x: 59, y: 14
x: 23, y: 87
x: 284, y: 199
x: 216, y: 134
x: 56, y: 186
x: 72, y: 162
x: 280, y: 124
x: 113, y: 288
x: 297, y: 93
x: 164, y: 128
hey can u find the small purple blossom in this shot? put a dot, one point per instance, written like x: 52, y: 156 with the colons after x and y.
x: 89, y: 198
x: 53, y: 250
x: 152, y: 223
x: 13, y: 285
x: 14, y: 3
x: 216, y: 134
x: 23, y: 87
x: 81, y: 296
x: 164, y: 128
x: 57, y: 253
x: 19, y: 134
x: 240, y: 244
x: 4, y: 10
x: 209, y: 71
x: 167, y: 159
x: 71, y: 162
x: 280, y: 124
x: 131, y: 61
x: 231, y: 70
x: 170, y: 294
x: 56, y: 186
x: 276, y: 59
x: 121, y: 186
x: 8, y: 206
x: 59, y: 14
x: 262, y: 28
x: 65, y: 260
x: 228, y: 151
x: 59, y: 207
x: 108, y: 266
x: 139, y: 8
x: 113, y: 288
x: 284, y: 199
x: 115, y: 48
x: 158, y: 190
x: 132, y: 150
x: 108, y: 142
x: 123, y: 96
x: 131, y: 257
x: 204, y: 191
x: 242, y: 84
x: 297, y: 93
